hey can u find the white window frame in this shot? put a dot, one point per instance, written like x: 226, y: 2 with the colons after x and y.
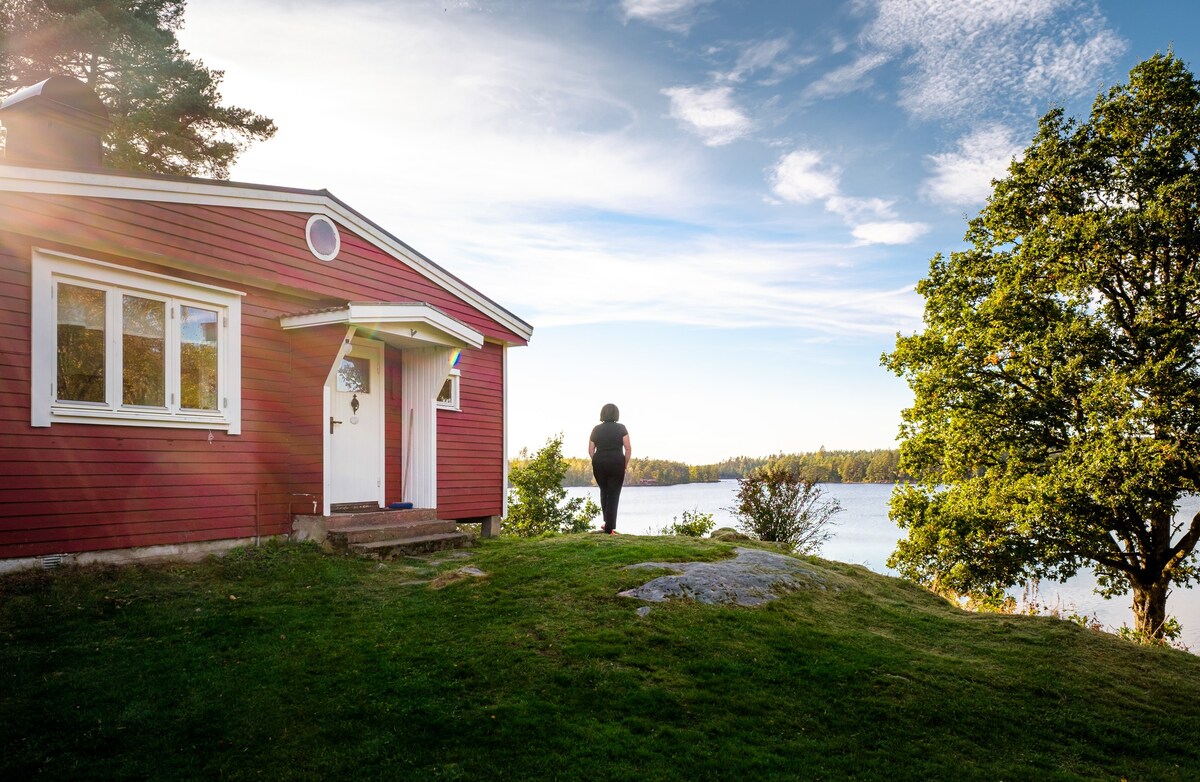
x: 455, y: 403
x: 51, y: 268
x: 337, y: 237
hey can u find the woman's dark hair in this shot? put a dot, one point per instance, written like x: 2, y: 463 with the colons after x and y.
x: 609, y: 412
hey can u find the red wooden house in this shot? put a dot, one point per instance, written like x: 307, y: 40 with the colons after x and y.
x: 187, y: 364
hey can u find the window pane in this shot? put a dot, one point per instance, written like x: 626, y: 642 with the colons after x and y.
x: 446, y: 395
x: 198, y: 358
x: 144, y: 351
x: 80, y: 344
x: 354, y: 375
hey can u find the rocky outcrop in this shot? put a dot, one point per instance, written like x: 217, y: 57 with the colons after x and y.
x: 751, y: 578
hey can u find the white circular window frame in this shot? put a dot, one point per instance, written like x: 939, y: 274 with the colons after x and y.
x: 337, y: 237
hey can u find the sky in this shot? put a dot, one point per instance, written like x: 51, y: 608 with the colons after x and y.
x: 714, y: 213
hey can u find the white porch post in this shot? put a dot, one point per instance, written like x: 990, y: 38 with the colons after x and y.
x: 423, y: 371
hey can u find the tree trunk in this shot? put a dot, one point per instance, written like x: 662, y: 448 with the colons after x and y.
x: 1150, y: 608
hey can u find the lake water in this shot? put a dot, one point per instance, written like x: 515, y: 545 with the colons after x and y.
x: 864, y: 535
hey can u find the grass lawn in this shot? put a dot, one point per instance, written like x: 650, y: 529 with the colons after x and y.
x: 283, y: 663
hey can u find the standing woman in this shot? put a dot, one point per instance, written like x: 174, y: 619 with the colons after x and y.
x: 610, y: 452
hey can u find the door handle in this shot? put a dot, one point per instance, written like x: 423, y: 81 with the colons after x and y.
x: 331, y: 423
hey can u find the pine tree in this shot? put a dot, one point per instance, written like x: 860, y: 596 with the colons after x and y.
x: 165, y: 106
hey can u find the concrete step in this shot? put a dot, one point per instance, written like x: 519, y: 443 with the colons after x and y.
x: 369, y: 533
x: 401, y: 547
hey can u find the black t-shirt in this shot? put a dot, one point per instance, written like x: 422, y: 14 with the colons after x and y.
x: 609, y: 436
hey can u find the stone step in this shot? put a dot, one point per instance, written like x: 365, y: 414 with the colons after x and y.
x: 379, y: 518
x: 369, y: 533
x: 400, y: 547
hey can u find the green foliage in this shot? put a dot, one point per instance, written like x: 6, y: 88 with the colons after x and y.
x: 1172, y: 635
x: 694, y: 524
x: 662, y: 472
x: 578, y: 473
x: 782, y: 507
x: 165, y: 107
x: 822, y: 466
x: 537, y: 502
x: 1056, y: 413
x: 656, y: 472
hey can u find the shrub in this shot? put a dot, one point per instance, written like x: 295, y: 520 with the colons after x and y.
x: 694, y: 524
x: 1172, y: 635
x: 537, y: 500
x: 782, y: 507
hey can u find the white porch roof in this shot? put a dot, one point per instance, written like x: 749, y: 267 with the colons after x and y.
x: 402, y: 325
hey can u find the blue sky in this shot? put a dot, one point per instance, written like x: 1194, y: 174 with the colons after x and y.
x: 714, y: 213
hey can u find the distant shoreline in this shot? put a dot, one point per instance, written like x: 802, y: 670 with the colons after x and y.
x: 822, y: 466
x: 660, y: 485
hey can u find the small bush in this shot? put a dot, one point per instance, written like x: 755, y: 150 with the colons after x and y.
x: 537, y: 501
x: 782, y: 507
x: 1172, y: 635
x: 693, y: 525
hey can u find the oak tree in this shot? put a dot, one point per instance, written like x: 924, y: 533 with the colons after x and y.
x: 166, y: 107
x: 1056, y: 415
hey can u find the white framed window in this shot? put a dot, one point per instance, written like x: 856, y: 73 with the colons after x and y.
x: 448, y: 398
x: 113, y: 345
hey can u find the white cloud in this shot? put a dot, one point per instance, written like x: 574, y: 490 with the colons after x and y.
x: 964, y: 176
x: 853, y: 209
x: 467, y: 116
x: 709, y: 113
x: 481, y: 145
x: 967, y: 57
x: 670, y: 14
x: 801, y: 176
x: 764, y: 55
x: 847, y: 78
x: 1071, y: 66
x: 723, y: 281
x: 889, y: 232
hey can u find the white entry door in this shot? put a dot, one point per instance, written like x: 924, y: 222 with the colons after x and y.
x: 356, y: 426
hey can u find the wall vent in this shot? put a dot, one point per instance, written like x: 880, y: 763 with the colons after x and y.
x: 52, y: 561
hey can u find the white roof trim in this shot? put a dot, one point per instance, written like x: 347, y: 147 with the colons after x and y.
x: 212, y: 193
x: 402, y: 325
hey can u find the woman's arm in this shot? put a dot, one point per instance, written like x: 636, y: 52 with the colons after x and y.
x: 591, y: 449
x: 628, y: 450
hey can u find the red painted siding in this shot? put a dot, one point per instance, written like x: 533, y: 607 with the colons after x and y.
x: 73, y: 487
x: 263, y: 247
x: 471, y: 440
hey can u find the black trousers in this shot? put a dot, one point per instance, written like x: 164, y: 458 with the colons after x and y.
x: 609, y: 469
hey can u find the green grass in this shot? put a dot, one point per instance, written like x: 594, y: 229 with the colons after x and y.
x: 282, y: 663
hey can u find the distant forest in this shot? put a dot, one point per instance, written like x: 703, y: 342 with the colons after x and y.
x: 880, y: 466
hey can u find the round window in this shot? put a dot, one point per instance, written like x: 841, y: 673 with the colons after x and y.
x: 323, y: 237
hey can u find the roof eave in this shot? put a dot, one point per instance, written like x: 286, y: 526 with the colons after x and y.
x: 152, y: 187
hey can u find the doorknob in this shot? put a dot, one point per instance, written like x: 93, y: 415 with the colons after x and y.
x: 331, y: 423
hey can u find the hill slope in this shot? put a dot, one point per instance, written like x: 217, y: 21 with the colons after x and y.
x: 282, y: 663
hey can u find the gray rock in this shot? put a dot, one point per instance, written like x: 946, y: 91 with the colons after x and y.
x: 751, y: 578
